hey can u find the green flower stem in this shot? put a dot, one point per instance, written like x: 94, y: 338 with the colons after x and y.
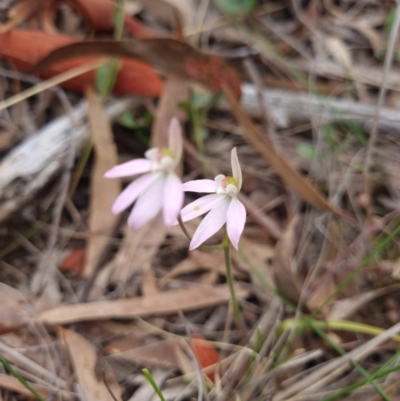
x: 225, y: 245
x: 229, y: 276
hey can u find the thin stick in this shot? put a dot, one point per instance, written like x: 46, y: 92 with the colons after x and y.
x: 183, y: 227
x: 108, y: 386
x: 38, y: 282
x: 382, y: 93
x: 269, y: 125
x: 58, y: 79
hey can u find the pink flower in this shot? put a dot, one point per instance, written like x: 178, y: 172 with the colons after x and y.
x: 159, y: 189
x: 223, y: 205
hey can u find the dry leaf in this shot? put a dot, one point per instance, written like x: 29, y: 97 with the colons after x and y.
x: 98, y: 15
x: 138, y: 247
x: 176, y: 91
x: 74, y: 262
x: 322, y: 285
x: 286, y: 279
x: 345, y: 308
x: 90, y: 375
x: 149, y: 281
x: 206, y: 354
x: 24, y: 48
x: 171, y: 55
x: 297, y: 182
x: 14, y: 309
x: 326, y: 286
x: 103, y: 192
x: 198, y: 261
x: 160, y: 304
x: 260, y: 256
x: 342, y: 55
x: 7, y: 138
x: 10, y: 383
x: 339, y: 51
x: 167, y: 11
x: 184, y: 267
x: 161, y: 354
x: 22, y: 11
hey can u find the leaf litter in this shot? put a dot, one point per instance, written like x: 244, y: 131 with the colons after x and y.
x: 316, y: 272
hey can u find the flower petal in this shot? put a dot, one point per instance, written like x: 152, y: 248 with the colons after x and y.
x: 148, y: 204
x: 206, y: 186
x: 235, y: 221
x: 211, y: 223
x: 236, y: 170
x: 200, y: 206
x: 173, y: 199
x: 133, y: 167
x: 132, y: 191
x: 175, y: 139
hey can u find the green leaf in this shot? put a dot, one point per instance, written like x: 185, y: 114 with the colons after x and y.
x: 330, y: 135
x: 106, y: 75
x: 127, y: 120
x: 236, y: 7
x: 307, y: 151
x: 153, y: 383
x: 204, y: 133
x: 389, y: 21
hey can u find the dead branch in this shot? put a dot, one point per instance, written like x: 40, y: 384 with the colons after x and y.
x: 31, y: 165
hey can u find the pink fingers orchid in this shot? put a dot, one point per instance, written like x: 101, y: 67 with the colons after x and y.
x: 222, y: 204
x: 160, y: 188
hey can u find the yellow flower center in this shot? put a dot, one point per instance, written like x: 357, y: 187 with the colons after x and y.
x: 230, y: 180
x: 167, y: 152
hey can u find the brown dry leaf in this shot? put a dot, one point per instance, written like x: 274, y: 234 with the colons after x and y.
x: 165, y: 303
x: 287, y: 281
x: 138, y: 247
x: 74, y: 262
x: 339, y: 51
x: 22, y: 11
x: 345, y: 308
x: 103, y: 192
x: 325, y: 287
x: 215, y: 261
x: 176, y: 91
x: 12, y: 384
x: 89, y: 373
x: 167, y: 11
x: 259, y: 255
x: 364, y: 28
x: 14, y: 309
x: 184, y: 267
x: 297, y: 182
x: 149, y: 281
x: 198, y: 261
x: 7, y: 138
x: 171, y: 55
x: 322, y: 285
x: 121, y: 345
x: 342, y: 55
x: 161, y: 354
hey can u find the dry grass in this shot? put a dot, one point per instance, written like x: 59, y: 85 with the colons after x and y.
x: 318, y: 268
